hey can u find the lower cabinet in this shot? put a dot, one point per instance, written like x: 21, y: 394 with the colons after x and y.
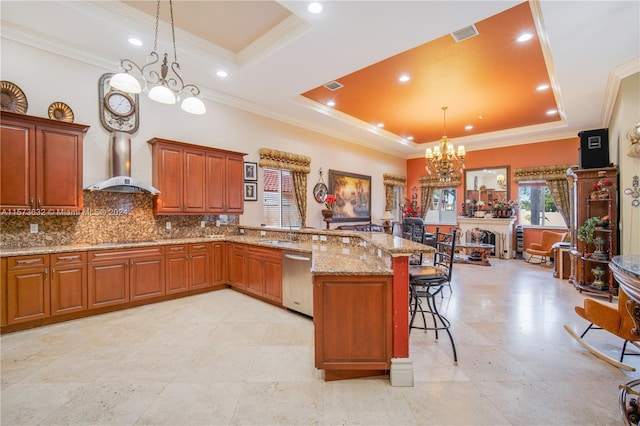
x: 188, y: 267
x: 200, y: 265
x: 256, y: 270
x: 122, y: 275
x: 68, y: 283
x: 353, y: 323
x: 219, y: 263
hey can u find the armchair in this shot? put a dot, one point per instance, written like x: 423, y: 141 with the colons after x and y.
x: 544, y: 249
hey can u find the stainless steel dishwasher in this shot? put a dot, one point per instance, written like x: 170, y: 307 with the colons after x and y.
x: 297, y: 282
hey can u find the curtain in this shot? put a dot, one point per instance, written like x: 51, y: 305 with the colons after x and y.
x: 390, y: 181
x: 298, y: 165
x: 430, y: 183
x: 556, y: 180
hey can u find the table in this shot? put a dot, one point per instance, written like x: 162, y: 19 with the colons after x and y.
x: 477, y: 253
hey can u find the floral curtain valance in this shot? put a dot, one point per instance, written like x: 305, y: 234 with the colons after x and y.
x: 284, y: 160
x: 528, y: 174
x: 394, y: 180
x: 435, y: 182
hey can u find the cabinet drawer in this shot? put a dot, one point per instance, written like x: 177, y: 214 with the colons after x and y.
x: 62, y: 259
x: 110, y: 255
x: 262, y: 251
x: 177, y: 249
x: 199, y: 248
x: 26, y: 262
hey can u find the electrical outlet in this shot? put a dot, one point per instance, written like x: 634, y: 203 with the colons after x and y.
x: 33, y: 228
x: 345, y: 240
x: 345, y: 251
x: 323, y: 238
x: 242, y: 231
x: 379, y: 253
x: 218, y: 222
x: 314, y: 238
x: 263, y: 233
x: 203, y: 223
x: 168, y: 225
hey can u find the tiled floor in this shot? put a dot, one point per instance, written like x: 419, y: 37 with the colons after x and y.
x: 224, y: 358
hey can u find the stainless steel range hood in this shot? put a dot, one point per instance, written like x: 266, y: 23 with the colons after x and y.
x: 121, y: 180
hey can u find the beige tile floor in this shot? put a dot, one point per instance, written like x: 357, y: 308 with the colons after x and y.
x: 224, y: 358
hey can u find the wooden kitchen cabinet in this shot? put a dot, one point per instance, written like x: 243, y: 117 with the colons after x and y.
x: 122, y: 275
x: 200, y: 265
x: 353, y: 323
x: 263, y: 273
x: 177, y: 268
x: 3, y: 291
x: 219, y: 263
x: 68, y: 282
x: 40, y: 163
x: 195, y: 179
x: 237, y: 260
x: 28, y: 288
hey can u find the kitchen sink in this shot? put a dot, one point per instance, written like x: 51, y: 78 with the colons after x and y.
x: 277, y: 242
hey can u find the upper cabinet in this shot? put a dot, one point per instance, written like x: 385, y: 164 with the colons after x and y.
x: 40, y: 163
x: 195, y: 179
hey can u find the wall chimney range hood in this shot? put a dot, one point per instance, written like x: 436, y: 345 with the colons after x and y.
x: 121, y: 180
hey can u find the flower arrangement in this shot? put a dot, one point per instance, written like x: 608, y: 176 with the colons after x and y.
x: 411, y: 209
x: 602, y: 185
x: 330, y: 201
x: 504, y: 204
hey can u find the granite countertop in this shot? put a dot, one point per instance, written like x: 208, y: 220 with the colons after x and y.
x: 367, y: 254
x: 629, y: 264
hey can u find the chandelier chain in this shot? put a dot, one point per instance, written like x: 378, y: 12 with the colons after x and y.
x: 155, y: 37
x: 173, y: 33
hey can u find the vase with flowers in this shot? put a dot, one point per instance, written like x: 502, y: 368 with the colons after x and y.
x: 327, y: 213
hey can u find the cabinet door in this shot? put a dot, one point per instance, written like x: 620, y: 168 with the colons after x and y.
x: 27, y: 295
x: 3, y: 291
x: 218, y: 263
x: 168, y: 178
x: 108, y: 283
x: 147, y: 277
x: 200, y: 265
x: 273, y: 279
x: 254, y: 278
x: 216, y: 182
x: 68, y: 289
x: 237, y: 265
x: 58, y: 168
x: 177, y: 269
x: 17, y: 165
x: 194, y: 181
x: 234, y: 187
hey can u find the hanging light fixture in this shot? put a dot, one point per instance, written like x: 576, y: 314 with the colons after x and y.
x: 443, y: 160
x: 166, y: 87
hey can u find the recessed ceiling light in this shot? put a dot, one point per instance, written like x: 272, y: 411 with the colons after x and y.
x: 552, y: 111
x: 404, y: 78
x: 410, y: 138
x: 135, y: 41
x: 542, y: 87
x: 481, y: 117
x: 222, y: 74
x: 524, y: 37
x: 468, y: 127
x: 331, y: 103
x: 380, y: 125
x: 314, y: 7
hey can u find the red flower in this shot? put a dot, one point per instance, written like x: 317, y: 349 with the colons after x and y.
x: 330, y: 201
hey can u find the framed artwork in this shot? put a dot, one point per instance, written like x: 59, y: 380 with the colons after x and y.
x: 250, y: 171
x: 353, y: 196
x: 250, y: 191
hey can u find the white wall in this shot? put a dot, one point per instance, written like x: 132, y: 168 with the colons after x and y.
x: 625, y: 115
x: 45, y: 78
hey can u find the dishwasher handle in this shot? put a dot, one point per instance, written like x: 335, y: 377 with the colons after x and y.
x: 297, y: 257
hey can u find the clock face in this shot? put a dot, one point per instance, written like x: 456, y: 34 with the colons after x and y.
x: 119, y: 104
x: 118, y: 110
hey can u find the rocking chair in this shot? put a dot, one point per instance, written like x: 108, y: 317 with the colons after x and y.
x: 616, y: 321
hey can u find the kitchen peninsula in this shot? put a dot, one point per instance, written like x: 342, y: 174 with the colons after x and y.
x: 360, y: 286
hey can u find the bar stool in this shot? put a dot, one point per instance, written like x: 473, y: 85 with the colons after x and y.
x: 427, y: 281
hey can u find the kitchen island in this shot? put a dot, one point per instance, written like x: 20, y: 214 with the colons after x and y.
x: 360, y: 290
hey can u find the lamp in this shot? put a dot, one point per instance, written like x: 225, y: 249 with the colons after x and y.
x: 166, y: 86
x: 386, y: 218
x: 443, y: 160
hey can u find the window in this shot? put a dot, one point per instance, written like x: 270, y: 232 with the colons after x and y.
x: 279, y: 202
x: 443, y: 207
x: 537, y: 207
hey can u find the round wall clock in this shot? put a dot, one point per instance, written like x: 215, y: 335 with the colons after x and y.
x: 118, y: 110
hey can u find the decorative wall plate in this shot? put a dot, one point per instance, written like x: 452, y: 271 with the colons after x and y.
x: 12, y: 98
x: 61, y: 112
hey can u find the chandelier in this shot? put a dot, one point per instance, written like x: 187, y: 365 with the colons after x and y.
x: 443, y: 160
x: 166, y: 87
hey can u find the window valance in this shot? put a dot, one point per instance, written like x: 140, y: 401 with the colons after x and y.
x: 394, y: 180
x: 284, y: 160
x: 435, y: 182
x: 545, y: 173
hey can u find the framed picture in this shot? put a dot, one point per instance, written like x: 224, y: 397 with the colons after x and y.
x: 250, y: 191
x: 250, y: 171
x: 353, y: 196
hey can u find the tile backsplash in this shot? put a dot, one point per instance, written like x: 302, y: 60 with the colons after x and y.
x: 107, y: 217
